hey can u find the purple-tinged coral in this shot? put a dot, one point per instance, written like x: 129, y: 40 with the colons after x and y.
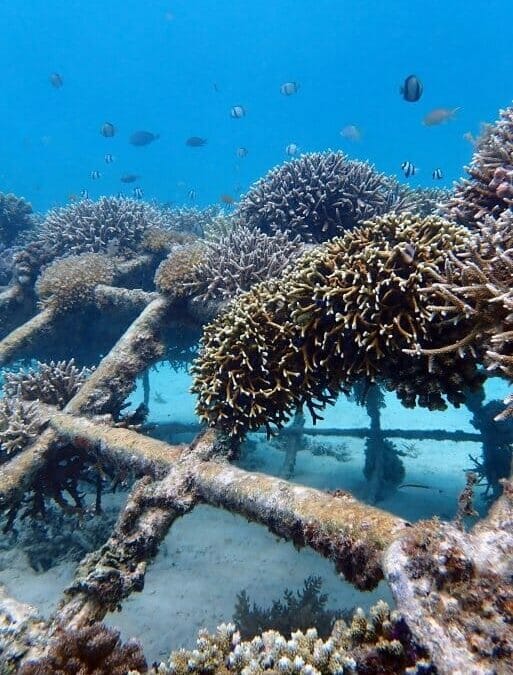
x: 111, y: 225
x: 320, y: 195
x: 242, y: 258
x: 489, y: 189
x: 54, y: 383
x: 15, y: 217
x: 20, y: 424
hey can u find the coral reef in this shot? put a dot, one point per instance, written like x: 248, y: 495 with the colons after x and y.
x: 91, y: 650
x: 299, y: 611
x: 20, y: 424
x: 111, y: 225
x: 15, y: 217
x: 319, y: 195
x: 475, y: 292
x: 380, y: 643
x: 191, y: 220
x: 69, y: 283
x: 244, y: 257
x: 158, y: 241
x: 489, y: 189
x: 346, y: 311
x: 176, y: 273
x: 54, y: 383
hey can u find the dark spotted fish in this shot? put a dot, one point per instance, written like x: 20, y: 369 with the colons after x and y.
x: 56, y: 80
x: 412, y: 89
x: 140, y: 138
x: 196, y: 142
x: 129, y: 178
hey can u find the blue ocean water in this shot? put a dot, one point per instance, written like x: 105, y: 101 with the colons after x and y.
x: 176, y: 67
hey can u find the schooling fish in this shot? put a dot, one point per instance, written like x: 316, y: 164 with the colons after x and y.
x: 439, y: 116
x: 140, y: 138
x: 138, y: 193
x: 437, y: 174
x: 196, y: 141
x: 237, y: 111
x: 95, y: 175
x: 129, y: 178
x: 107, y: 130
x: 56, y: 80
x: 412, y: 89
x: 409, y: 169
x: 292, y: 149
x: 289, y: 88
x: 241, y: 152
x: 108, y: 158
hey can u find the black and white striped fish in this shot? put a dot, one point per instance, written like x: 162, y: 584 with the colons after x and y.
x: 138, y: 193
x: 108, y: 158
x: 409, y: 169
x: 437, y: 174
x: 95, y: 175
x: 84, y: 194
x: 192, y: 195
x: 237, y: 111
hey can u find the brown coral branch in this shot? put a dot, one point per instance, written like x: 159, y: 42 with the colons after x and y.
x: 16, y: 343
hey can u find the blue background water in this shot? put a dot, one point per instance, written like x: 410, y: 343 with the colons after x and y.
x: 153, y: 65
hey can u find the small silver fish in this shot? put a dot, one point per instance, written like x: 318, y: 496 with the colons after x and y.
x: 95, y: 175
x: 437, y: 174
x: 237, y: 112
x: 138, y: 193
x: 289, y: 88
x: 292, y: 149
x: 409, y: 169
x: 108, y: 158
x: 439, y: 116
x: 241, y: 152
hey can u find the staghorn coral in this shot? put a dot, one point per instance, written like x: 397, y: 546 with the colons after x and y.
x: 297, y: 611
x: 191, y: 220
x: 175, y: 274
x: 54, y: 383
x: 112, y: 225
x: 161, y: 242
x: 68, y: 284
x: 319, y: 195
x: 15, y: 217
x: 221, y: 226
x: 346, y: 311
x: 20, y: 424
x: 241, y: 259
x: 380, y: 643
x: 489, y: 188
x: 91, y: 650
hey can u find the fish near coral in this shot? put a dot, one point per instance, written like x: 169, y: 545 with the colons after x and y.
x: 439, y: 116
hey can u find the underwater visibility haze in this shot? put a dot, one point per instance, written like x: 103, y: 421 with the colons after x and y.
x: 256, y: 337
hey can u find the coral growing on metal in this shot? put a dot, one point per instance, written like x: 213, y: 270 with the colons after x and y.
x: 111, y: 225
x: 69, y: 283
x: 347, y: 310
x: 15, y: 217
x: 54, y: 383
x: 91, y: 650
x: 489, y: 189
x: 20, y: 424
x: 378, y: 643
x: 176, y: 273
x: 242, y: 258
x: 475, y: 293
x: 319, y: 195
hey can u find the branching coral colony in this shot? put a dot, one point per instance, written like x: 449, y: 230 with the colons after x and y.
x: 403, y: 297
